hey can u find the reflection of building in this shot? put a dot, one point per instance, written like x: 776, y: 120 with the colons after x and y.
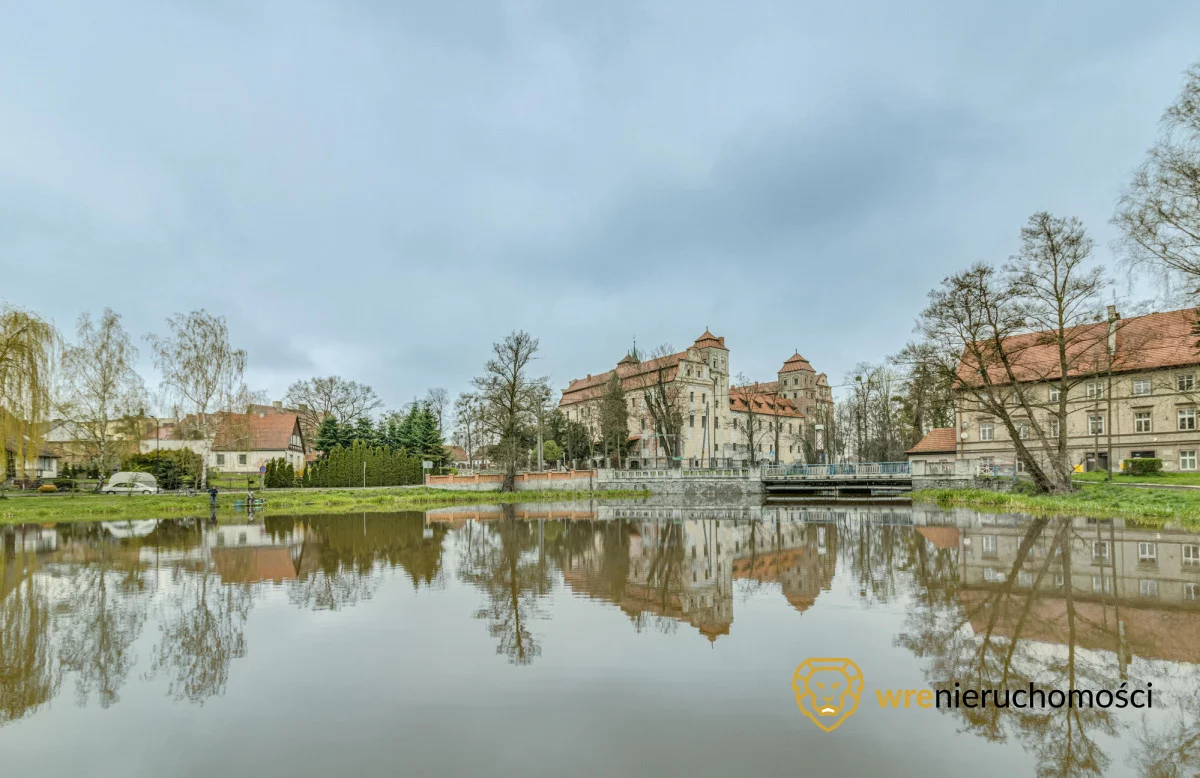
x: 1137, y: 585
x: 685, y: 569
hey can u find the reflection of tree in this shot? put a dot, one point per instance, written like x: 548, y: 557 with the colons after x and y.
x: 201, y: 635
x: 976, y: 637
x: 877, y: 554
x: 499, y: 560
x: 103, y: 617
x: 29, y: 674
x: 1175, y: 751
x: 340, y: 554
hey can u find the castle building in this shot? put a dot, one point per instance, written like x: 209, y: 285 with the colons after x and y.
x: 720, y: 423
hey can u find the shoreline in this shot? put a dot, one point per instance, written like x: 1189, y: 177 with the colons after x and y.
x: 90, y: 507
x: 1095, y: 501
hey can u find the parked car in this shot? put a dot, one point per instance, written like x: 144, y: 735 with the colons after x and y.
x: 131, y: 483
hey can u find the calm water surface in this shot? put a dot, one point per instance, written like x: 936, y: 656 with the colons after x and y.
x: 585, y: 639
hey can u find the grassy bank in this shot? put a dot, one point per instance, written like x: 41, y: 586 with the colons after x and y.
x: 1174, y: 478
x: 1100, y: 501
x: 93, y: 507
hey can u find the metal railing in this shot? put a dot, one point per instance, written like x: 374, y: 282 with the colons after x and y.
x: 845, y: 470
x: 673, y: 474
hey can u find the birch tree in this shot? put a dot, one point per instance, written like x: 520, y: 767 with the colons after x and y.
x: 201, y: 369
x: 100, y: 389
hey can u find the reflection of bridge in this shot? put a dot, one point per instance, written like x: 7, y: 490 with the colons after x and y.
x: 854, y: 479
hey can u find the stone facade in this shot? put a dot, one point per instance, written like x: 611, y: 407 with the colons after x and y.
x: 732, y: 425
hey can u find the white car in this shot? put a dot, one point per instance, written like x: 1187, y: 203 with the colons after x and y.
x: 131, y: 483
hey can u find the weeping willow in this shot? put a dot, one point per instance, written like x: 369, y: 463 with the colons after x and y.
x: 27, y: 348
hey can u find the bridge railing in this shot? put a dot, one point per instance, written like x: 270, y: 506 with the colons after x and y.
x: 847, y: 469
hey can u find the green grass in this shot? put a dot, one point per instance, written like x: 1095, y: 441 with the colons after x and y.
x: 1099, y: 501
x: 101, y: 507
x: 1166, y: 479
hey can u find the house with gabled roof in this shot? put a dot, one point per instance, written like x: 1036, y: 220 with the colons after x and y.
x: 237, y: 442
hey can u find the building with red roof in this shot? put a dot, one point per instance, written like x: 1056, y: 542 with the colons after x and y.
x: 759, y: 422
x: 1133, y: 387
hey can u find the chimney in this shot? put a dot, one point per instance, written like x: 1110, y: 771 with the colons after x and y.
x: 1113, y: 318
x: 278, y: 405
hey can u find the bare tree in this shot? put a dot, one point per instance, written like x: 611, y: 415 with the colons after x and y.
x: 1159, y: 213
x: 663, y: 398
x: 438, y: 400
x: 1003, y: 325
x: 508, y: 397
x: 201, y: 369
x: 468, y: 417
x: 872, y: 417
x: 759, y: 427
x: 332, y: 396
x: 100, y: 388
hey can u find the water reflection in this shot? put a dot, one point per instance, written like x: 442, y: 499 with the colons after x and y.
x: 992, y: 602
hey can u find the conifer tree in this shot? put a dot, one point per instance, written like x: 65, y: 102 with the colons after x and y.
x: 329, y: 436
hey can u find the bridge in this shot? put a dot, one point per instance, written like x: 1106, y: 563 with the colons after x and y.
x: 852, y: 479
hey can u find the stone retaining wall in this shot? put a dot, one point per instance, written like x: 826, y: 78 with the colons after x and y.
x: 961, y: 482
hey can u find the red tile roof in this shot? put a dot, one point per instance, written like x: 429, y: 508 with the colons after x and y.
x: 456, y: 453
x: 633, y: 375
x: 709, y: 340
x: 796, y: 362
x: 940, y: 440
x: 764, y: 398
x: 256, y: 432
x: 1150, y: 342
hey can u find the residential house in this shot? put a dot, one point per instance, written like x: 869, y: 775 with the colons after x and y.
x: 939, y: 446
x: 238, y: 442
x: 41, y: 461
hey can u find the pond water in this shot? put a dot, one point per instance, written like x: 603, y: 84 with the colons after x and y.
x: 593, y: 639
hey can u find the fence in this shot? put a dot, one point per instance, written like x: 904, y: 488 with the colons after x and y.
x: 845, y: 470
x: 676, y: 474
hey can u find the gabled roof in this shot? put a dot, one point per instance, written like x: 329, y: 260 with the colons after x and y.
x: 796, y: 362
x: 257, y: 432
x: 1151, y: 342
x: 940, y: 440
x: 456, y: 453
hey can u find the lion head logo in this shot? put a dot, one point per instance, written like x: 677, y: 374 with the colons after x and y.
x: 827, y: 690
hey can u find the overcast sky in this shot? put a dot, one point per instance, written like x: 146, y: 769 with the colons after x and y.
x: 382, y: 189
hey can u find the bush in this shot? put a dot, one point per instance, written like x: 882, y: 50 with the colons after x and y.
x: 172, y: 469
x: 64, y: 483
x: 1147, y: 466
x: 47, y: 488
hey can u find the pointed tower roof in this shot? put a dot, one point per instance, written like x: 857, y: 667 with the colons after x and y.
x: 629, y: 359
x: 796, y: 362
x: 709, y: 340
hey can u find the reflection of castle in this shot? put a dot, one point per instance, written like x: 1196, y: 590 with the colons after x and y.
x: 684, y: 569
x: 1140, y: 586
